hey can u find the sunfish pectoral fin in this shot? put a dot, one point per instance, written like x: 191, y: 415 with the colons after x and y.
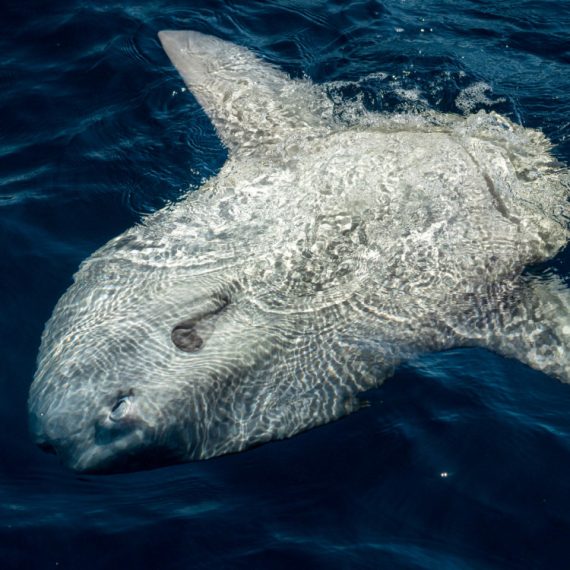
x: 247, y: 99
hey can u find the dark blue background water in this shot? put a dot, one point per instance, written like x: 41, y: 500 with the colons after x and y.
x: 95, y: 132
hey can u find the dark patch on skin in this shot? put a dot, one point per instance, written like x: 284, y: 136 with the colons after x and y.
x: 498, y: 200
x: 187, y: 340
x: 190, y: 335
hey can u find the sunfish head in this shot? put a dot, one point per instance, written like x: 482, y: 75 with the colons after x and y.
x: 142, y: 370
x: 137, y: 371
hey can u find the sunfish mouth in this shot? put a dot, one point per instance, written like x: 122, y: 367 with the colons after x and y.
x: 107, y: 446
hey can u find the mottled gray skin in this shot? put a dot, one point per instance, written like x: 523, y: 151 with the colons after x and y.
x: 323, y: 255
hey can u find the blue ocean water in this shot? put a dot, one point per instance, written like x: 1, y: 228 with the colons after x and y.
x: 462, y: 460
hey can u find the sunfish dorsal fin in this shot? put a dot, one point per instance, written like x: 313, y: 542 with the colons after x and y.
x: 249, y: 100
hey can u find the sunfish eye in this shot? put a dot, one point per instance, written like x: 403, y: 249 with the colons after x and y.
x: 120, y: 410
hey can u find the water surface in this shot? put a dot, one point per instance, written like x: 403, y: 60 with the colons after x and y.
x: 462, y: 459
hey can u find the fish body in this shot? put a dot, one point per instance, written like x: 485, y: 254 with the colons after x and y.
x: 321, y: 257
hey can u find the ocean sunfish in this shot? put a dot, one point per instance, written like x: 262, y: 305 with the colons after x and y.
x: 325, y: 253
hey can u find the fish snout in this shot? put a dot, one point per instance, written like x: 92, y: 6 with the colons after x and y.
x: 78, y: 448
x: 54, y: 433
